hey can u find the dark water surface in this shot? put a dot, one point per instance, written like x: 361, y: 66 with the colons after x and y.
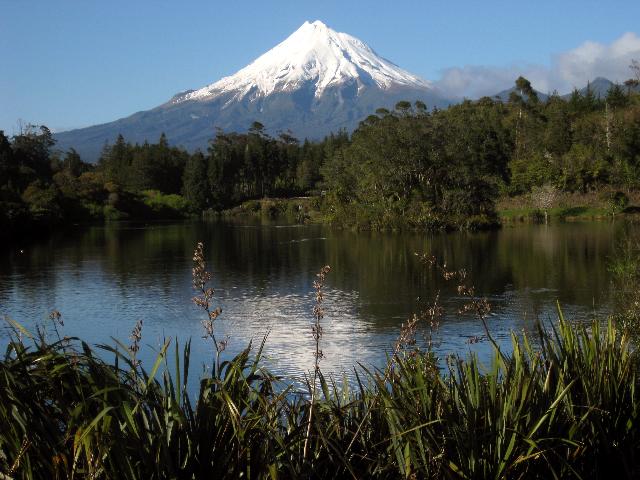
x: 104, y: 279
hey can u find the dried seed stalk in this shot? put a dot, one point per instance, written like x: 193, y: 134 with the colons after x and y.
x: 316, y: 329
x: 201, y: 277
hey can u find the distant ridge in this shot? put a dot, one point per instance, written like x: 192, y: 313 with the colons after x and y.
x: 600, y: 86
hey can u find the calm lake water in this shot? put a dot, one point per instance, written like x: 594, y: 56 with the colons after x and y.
x: 104, y: 279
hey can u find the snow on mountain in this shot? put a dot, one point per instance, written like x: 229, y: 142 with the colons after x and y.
x: 315, y: 82
x: 316, y: 53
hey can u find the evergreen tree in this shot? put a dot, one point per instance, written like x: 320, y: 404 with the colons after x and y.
x: 615, y: 97
x: 557, y: 138
x: 144, y: 169
x: 7, y: 163
x: 195, y: 185
x: 590, y: 102
x: 73, y: 164
x: 115, y: 162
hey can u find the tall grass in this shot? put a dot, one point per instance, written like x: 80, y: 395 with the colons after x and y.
x: 625, y: 269
x: 561, y: 404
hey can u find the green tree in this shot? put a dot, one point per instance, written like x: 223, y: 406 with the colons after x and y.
x: 144, y: 169
x: 524, y: 101
x: 195, y: 184
x: 615, y: 97
x: 43, y: 202
x: 7, y: 163
x: 115, y: 162
x: 31, y: 152
x: 557, y: 137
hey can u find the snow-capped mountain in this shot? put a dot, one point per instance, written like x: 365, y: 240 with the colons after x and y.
x: 313, y: 53
x: 314, y: 82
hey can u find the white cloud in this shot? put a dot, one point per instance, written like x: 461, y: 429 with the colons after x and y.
x: 566, y: 70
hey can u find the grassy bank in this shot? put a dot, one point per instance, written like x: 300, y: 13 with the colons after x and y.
x: 570, y: 207
x: 562, y: 403
x: 24, y: 225
x: 294, y: 210
x: 315, y: 209
x: 602, y: 205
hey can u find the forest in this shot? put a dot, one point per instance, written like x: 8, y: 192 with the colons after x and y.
x: 410, y: 167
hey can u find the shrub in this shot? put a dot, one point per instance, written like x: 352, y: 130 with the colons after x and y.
x: 163, y: 205
x: 252, y: 205
x: 616, y: 201
x: 110, y: 212
x: 269, y: 208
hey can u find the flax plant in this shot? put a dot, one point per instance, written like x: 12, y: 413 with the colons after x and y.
x: 561, y: 403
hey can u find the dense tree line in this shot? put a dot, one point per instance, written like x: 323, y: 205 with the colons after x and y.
x: 40, y: 186
x: 235, y: 168
x: 410, y: 166
x: 579, y: 144
x: 445, y: 168
x: 426, y: 169
x: 256, y: 165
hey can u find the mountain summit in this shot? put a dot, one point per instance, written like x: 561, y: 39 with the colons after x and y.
x: 314, y: 82
x: 314, y: 53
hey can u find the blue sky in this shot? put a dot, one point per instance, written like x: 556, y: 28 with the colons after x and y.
x: 73, y: 63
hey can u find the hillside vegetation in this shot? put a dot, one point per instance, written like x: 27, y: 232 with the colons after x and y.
x: 407, y: 168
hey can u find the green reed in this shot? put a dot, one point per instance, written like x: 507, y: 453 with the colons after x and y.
x: 562, y: 403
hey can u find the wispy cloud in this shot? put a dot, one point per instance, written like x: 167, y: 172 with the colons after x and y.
x: 566, y: 70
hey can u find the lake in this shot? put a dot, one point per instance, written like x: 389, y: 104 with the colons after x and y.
x: 105, y: 278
